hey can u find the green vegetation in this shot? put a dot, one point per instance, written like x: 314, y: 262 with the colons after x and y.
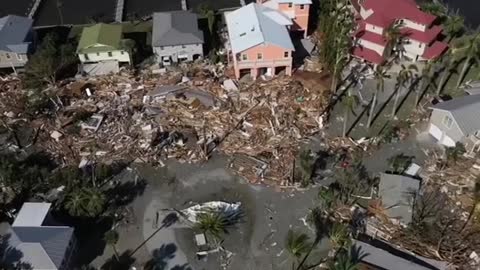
x: 49, y: 63
x: 400, y: 163
x: 454, y: 153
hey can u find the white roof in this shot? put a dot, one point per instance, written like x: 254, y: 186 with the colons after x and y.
x: 255, y: 24
x: 31, y: 215
x: 296, y: 2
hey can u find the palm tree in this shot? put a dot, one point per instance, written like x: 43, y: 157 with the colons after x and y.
x: 347, y: 260
x: 75, y: 203
x: 380, y: 75
x: 472, y: 54
x: 306, y: 166
x: 434, y: 8
x: 339, y: 236
x: 449, y: 62
x: 453, y: 153
x: 297, y: 244
x: 405, y: 75
x: 393, y: 37
x: 95, y: 201
x: 476, y: 203
x: 351, y: 101
x: 111, y: 239
x: 453, y: 26
x: 319, y: 222
x: 208, y: 12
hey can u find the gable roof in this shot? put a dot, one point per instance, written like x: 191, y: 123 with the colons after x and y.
x: 385, y: 256
x: 13, y: 33
x: 386, y: 11
x: 255, y: 24
x: 176, y: 28
x: 465, y: 110
x: 53, y: 241
x: 398, y: 193
x: 32, y: 214
x: 107, y: 35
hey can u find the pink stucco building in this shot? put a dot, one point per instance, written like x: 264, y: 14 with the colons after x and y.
x: 259, y: 41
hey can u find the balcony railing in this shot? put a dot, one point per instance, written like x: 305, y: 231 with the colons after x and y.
x: 263, y: 63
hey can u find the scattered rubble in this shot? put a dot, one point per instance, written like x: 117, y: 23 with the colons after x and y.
x: 151, y: 117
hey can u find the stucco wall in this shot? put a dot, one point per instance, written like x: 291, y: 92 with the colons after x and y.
x: 372, y: 46
x: 269, y: 53
x: 453, y: 132
x: 414, y: 25
x: 104, y: 56
x: 413, y: 47
x: 173, y: 51
x: 17, y: 60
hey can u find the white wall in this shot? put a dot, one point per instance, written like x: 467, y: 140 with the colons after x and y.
x: 372, y: 46
x: 374, y: 29
x: 365, y: 13
x: 413, y: 48
x: 174, y: 51
x: 104, y: 56
x: 414, y: 25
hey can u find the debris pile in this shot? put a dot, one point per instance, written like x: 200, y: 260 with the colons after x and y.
x: 150, y: 118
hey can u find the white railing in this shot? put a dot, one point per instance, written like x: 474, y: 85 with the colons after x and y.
x: 264, y: 63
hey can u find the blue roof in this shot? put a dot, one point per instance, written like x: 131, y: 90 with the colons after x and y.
x: 13, y: 33
x: 255, y: 24
x: 54, y: 240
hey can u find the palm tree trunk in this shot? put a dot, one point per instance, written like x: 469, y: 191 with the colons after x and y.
x: 312, y: 247
x: 464, y: 71
x: 442, y: 81
x: 372, y: 109
x: 115, y: 252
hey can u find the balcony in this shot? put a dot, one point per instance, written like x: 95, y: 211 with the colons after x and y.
x: 263, y: 63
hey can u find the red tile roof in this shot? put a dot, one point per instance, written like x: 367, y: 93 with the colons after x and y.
x: 425, y: 37
x: 434, y: 51
x: 361, y: 33
x: 398, y: 9
x: 367, y: 54
x: 379, y: 20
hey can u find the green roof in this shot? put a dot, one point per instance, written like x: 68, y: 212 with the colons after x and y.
x: 106, y: 35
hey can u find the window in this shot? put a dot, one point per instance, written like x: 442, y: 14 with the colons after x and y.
x: 420, y: 45
x: 19, y: 56
x: 285, y: 54
x: 98, y: 54
x: 183, y: 46
x: 8, y: 56
x: 290, y: 5
x: 244, y: 57
x: 447, y: 121
x: 86, y: 57
x: 110, y: 54
x: 122, y: 52
x: 161, y: 48
x: 259, y: 56
x: 302, y: 6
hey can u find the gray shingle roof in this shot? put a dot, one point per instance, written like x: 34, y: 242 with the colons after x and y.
x: 54, y: 240
x: 13, y: 33
x: 175, y: 28
x: 465, y: 110
x: 391, y: 258
x: 398, y: 193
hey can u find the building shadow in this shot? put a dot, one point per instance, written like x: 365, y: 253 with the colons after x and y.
x: 123, y: 262
x: 161, y: 256
x: 10, y: 257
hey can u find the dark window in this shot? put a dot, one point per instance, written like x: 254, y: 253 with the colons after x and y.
x: 289, y: 5
x: 86, y: 57
x: 244, y: 57
x: 259, y: 56
x: 8, y: 56
x: 285, y: 54
x: 302, y: 6
x: 110, y: 54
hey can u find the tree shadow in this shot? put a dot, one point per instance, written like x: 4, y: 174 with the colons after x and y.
x: 10, y: 257
x: 161, y: 256
x: 124, y: 262
x: 125, y: 193
x: 182, y: 267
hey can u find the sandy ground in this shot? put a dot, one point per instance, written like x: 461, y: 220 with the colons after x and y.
x: 256, y: 243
